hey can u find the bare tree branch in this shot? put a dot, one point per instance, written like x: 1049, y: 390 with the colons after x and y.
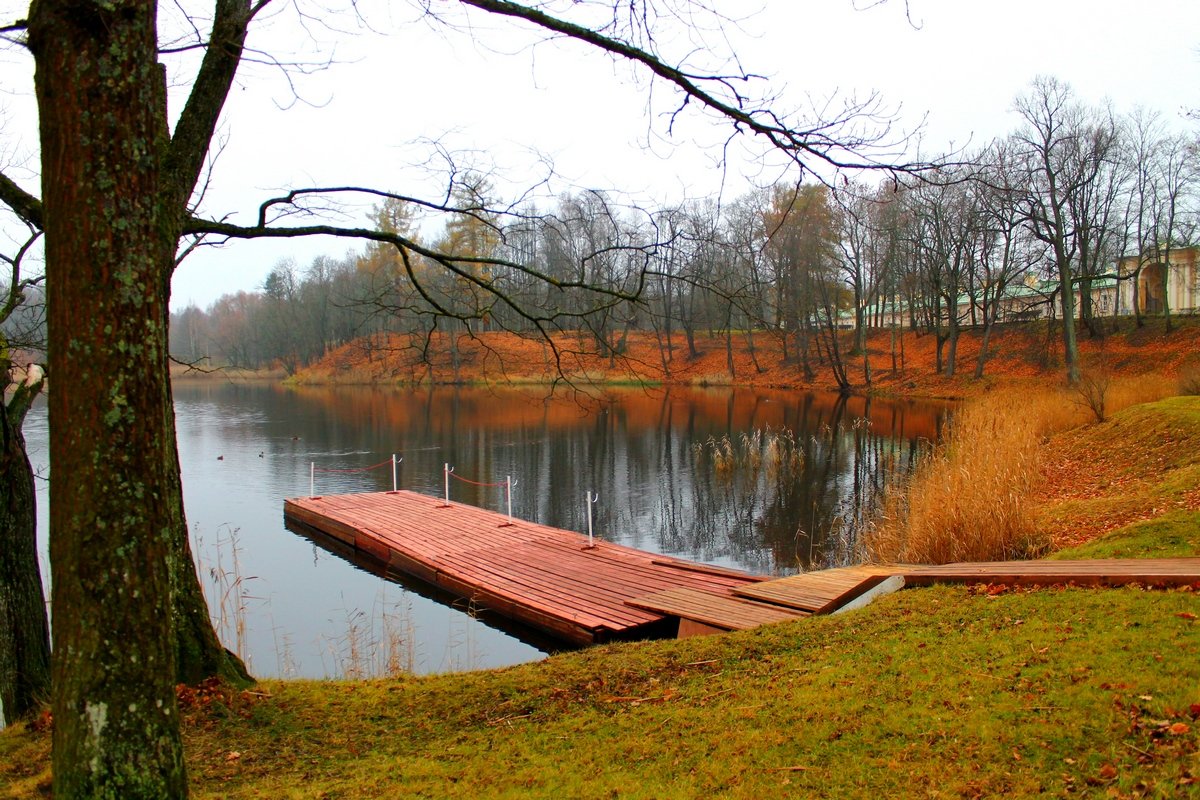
x: 830, y: 141
x: 23, y: 204
x: 198, y: 120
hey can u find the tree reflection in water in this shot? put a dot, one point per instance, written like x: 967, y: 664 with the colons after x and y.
x: 638, y: 450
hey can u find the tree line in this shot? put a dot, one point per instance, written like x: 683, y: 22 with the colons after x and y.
x: 1059, y: 202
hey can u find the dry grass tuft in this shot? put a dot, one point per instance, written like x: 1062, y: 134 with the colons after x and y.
x: 970, y: 499
x: 776, y: 450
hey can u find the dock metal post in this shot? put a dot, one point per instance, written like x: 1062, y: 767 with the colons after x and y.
x: 508, y: 491
x: 312, y: 477
x: 590, y: 502
x: 446, y: 478
x: 393, y: 472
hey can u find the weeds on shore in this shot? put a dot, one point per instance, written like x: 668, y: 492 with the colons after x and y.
x: 376, y: 644
x: 380, y: 642
x: 969, y: 499
x: 226, y: 590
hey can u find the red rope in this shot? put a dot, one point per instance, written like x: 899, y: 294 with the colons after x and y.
x: 475, y: 483
x: 352, y: 471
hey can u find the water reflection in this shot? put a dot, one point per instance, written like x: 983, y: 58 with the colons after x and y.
x: 639, y: 451
x: 244, y: 448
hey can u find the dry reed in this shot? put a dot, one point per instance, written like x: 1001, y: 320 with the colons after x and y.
x: 777, y: 450
x: 378, y: 644
x: 227, y: 590
x: 969, y: 499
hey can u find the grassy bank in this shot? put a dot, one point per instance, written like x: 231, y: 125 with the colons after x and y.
x: 929, y: 693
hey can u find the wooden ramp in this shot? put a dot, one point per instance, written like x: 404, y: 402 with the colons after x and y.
x: 818, y: 592
x: 540, y: 576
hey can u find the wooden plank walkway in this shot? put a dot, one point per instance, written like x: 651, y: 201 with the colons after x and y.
x: 825, y: 591
x: 1159, y: 572
x: 541, y: 576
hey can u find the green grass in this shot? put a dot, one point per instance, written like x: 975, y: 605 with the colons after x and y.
x: 936, y: 692
x: 1175, y: 534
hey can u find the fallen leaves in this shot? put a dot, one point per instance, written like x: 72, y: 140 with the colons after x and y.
x: 212, y: 698
x: 42, y: 722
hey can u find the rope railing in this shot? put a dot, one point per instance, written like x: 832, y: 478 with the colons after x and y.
x: 508, y: 483
x: 458, y: 477
x: 313, y: 469
x: 448, y: 472
x: 351, y: 471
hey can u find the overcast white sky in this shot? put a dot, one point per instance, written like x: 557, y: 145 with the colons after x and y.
x: 957, y: 64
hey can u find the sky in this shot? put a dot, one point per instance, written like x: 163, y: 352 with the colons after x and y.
x: 504, y: 101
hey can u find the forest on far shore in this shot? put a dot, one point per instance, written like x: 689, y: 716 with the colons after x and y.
x: 1076, y: 196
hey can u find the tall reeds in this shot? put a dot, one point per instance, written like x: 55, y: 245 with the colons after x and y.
x: 226, y: 590
x: 970, y: 498
x: 777, y: 451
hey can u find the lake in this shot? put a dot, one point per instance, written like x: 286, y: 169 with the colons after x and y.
x: 766, y: 481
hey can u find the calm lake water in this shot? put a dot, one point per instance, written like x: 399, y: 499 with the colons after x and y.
x: 666, y: 482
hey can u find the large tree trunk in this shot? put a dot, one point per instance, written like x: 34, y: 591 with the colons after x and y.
x: 24, y: 630
x: 113, y: 504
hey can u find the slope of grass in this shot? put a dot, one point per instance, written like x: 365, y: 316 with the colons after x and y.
x: 940, y: 692
x: 1175, y: 534
x: 1139, y: 465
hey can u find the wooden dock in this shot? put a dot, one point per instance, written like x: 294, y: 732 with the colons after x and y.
x: 551, y: 580
x: 543, y: 577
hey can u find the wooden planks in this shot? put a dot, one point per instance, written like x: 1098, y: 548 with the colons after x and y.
x: 718, y: 611
x: 1098, y: 572
x: 828, y: 590
x: 543, y: 577
x: 817, y: 592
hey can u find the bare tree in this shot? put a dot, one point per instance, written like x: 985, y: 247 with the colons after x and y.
x: 1065, y: 150
x: 1007, y: 252
x: 945, y: 239
x: 1179, y: 175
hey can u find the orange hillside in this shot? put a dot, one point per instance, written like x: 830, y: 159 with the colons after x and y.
x: 1015, y: 352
